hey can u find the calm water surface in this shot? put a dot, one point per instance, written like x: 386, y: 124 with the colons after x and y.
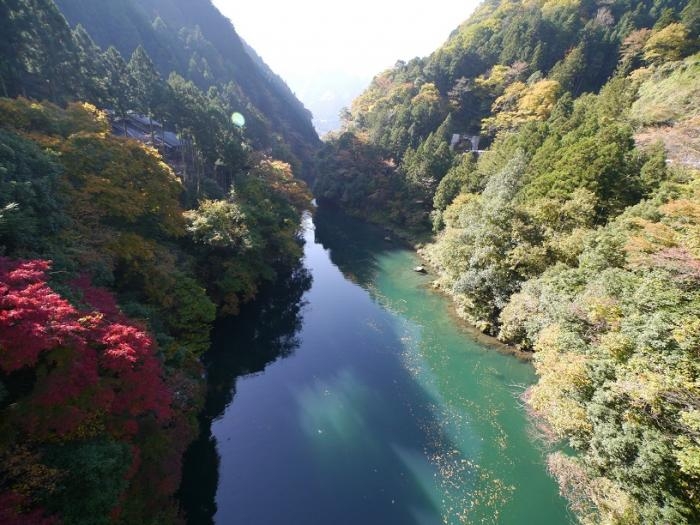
x: 348, y: 395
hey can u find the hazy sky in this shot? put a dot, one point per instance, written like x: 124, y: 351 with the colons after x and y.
x: 303, y: 40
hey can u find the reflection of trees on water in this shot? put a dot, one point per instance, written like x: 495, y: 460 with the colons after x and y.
x: 354, y: 245
x: 266, y: 330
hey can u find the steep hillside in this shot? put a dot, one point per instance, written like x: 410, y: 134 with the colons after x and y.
x: 575, y: 44
x: 667, y: 110
x: 115, y: 264
x: 194, y: 40
x: 573, y: 231
x: 507, y: 65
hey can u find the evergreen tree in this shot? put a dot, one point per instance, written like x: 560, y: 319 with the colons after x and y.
x: 52, y: 53
x: 118, y: 82
x: 148, y: 88
x: 12, y: 24
x: 93, y: 72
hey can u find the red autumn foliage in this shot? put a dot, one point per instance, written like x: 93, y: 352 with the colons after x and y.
x: 128, y: 354
x: 96, y: 373
x: 94, y: 364
x: 97, y: 298
x: 12, y: 506
x: 33, y: 318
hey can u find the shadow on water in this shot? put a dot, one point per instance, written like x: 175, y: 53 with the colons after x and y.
x: 265, y: 331
x: 354, y: 245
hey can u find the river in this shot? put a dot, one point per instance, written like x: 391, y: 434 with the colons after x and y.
x: 348, y: 394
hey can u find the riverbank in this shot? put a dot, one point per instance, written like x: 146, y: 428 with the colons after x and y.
x: 470, y: 328
x: 417, y: 243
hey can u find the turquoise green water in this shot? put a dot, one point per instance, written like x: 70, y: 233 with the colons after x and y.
x: 350, y: 395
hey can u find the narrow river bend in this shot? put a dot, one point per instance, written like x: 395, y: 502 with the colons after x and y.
x: 348, y: 395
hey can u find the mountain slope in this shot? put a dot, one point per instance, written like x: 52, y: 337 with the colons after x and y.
x: 193, y: 39
x: 114, y: 264
x: 574, y: 231
x: 506, y: 65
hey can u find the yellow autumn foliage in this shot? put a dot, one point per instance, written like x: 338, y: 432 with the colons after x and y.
x: 561, y: 378
x: 120, y: 181
x: 521, y: 103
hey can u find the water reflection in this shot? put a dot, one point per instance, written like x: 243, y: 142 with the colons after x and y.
x: 266, y: 330
x: 354, y: 246
x: 341, y: 432
x: 488, y: 470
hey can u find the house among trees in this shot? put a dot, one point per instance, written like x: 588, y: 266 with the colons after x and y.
x: 145, y: 130
x: 463, y: 142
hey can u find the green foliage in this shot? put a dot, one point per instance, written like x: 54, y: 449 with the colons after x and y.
x: 205, y: 120
x: 509, y: 67
x: 690, y: 17
x: 616, y: 338
x: 44, y: 59
x: 188, y: 316
x: 603, y: 163
x: 93, y: 478
x: 111, y: 208
x: 654, y: 171
x: 569, y: 71
x: 501, y: 44
x: 92, y: 67
x: 669, y: 43
x: 564, y: 237
x: 461, y: 177
x: 148, y: 92
x: 576, y: 169
x: 118, y: 82
x: 425, y: 166
x: 353, y: 175
x: 102, y: 205
x: 476, y: 250
x: 569, y: 240
x: 246, y: 237
x: 219, y: 223
x: 193, y: 40
x: 38, y: 52
x: 669, y: 94
x: 28, y: 193
x: 592, y: 150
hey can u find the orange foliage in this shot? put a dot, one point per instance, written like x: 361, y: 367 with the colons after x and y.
x: 110, y: 179
x: 46, y: 118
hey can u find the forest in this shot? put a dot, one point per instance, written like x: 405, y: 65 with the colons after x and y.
x: 114, y: 264
x: 572, y: 233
